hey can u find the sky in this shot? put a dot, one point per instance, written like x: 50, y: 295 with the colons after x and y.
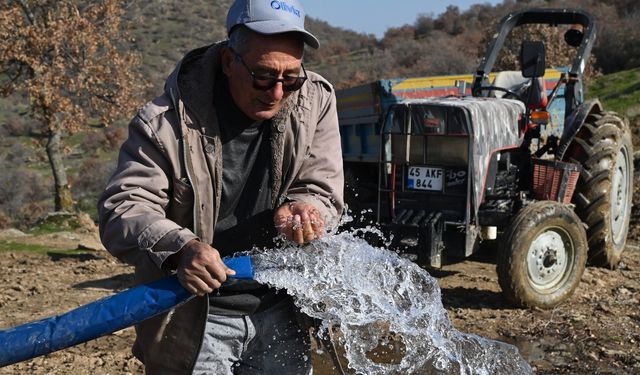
x: 376, y: 16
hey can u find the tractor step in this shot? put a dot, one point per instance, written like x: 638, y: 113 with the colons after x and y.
x: 429, y: 228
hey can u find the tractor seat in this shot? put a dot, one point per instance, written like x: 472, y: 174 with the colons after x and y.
x: 514, y: 81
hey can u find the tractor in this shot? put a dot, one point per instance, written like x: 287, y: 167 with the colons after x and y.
x: 517, y: 159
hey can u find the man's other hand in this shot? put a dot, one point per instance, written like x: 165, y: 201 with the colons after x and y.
x: 200, y: 268
x: 300, y: 222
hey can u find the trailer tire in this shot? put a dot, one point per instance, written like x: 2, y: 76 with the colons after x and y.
x: 543, y: 255
x: 603, y: 197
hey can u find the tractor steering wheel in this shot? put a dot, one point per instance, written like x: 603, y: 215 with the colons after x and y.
x: 496, y: 88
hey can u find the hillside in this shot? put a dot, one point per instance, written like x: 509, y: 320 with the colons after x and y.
x: 162, y: 31
x: 620, y: 91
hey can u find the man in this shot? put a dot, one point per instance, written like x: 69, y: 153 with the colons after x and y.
x: 242, y: 145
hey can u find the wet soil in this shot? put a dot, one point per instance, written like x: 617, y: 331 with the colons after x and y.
x: 597, y: 331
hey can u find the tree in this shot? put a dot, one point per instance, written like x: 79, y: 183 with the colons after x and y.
x: 68, y: 57
x: 558, y: 53
x: 450, y: 21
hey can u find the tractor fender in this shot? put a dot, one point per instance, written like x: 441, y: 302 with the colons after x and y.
x: 574, y: 122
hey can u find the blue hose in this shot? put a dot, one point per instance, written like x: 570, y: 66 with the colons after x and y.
x: 101, y: 317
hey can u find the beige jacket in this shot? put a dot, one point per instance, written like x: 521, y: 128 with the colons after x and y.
x: 167, y: 186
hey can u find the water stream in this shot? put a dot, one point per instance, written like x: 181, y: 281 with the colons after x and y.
x: 383, y: 304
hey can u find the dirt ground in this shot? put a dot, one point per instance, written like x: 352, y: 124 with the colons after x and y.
x: 596, y: 332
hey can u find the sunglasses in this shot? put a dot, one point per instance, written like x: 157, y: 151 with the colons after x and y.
x: 267, y: 81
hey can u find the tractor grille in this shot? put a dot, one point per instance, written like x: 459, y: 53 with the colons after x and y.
x: 554, y: 180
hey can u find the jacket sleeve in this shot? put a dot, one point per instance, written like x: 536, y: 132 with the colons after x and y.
x: 320, y: 180
x: 133, y: 207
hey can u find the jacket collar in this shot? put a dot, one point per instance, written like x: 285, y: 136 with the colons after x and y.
x: 193, y: 81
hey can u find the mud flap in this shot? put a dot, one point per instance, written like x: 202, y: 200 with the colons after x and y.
x: 430, y: 240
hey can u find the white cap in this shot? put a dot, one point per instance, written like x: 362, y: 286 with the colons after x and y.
x: 270, y: 17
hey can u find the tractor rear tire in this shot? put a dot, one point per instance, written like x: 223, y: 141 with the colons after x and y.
x: 543, y: 255
x: 603, y: 196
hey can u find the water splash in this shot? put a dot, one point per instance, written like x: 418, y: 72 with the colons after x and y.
x: 382, y: 303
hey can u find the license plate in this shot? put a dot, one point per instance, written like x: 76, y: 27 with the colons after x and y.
x: 425, y: 178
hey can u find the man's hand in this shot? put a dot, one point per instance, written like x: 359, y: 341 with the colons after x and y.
x: 200, y: 268
x: 300, y: 222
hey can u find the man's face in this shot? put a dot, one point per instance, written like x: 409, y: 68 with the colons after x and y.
x: 276, y: 55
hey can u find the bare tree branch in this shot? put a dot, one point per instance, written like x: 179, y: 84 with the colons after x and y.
x: 27, y: 11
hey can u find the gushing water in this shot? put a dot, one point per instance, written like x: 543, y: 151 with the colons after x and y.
x: 381, y: 302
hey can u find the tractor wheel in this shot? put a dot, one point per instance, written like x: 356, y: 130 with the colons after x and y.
x: 543, y: 255
x: 605, y: 189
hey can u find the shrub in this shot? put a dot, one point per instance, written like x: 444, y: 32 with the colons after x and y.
x: 19, y: 154
x: 5, y: 221
x: 92, y: 142
x: 24, y: 196
x: 104, y: 139
x: 29, y: 214
x: 114, y: 137
x: 15, y: 127
x: 92, y: 177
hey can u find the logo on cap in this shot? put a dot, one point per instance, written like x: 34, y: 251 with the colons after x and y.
x: 281, y: 5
